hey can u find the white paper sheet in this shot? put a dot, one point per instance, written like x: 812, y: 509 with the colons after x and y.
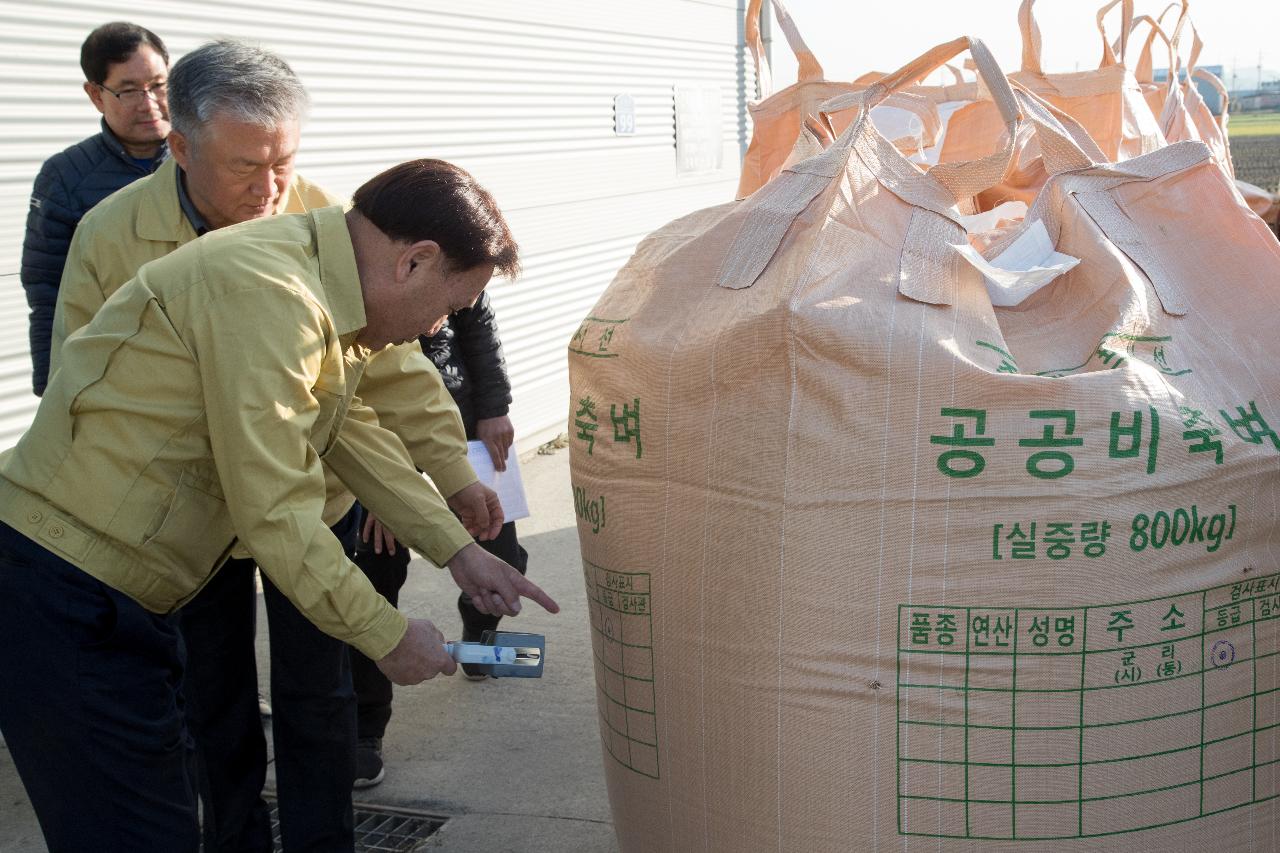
x: 507, y: 484
x: 979, y: 222
x: 1027, y: 265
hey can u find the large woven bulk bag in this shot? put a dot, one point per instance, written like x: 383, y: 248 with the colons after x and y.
x: 777, y: 117
x: 1156, y: 93
x: 874, y: 564
x: 1168, y: 98
x: 1212, y: 128
x: 1262, y: 202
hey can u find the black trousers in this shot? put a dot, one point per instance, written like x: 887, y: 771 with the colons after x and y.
x: 388, y: 573
x: 312, y: 724
x: 91, y: 708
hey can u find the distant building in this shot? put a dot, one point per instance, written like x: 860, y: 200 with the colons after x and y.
x: 1263, y: 99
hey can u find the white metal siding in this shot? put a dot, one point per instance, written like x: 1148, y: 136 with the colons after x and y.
x: 521, y: 94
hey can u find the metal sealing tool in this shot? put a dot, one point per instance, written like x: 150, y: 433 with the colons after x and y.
x: 503, y: 654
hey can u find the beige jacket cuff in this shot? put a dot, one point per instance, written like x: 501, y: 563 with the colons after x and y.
x: 454, y: 477
x: 385, y: 634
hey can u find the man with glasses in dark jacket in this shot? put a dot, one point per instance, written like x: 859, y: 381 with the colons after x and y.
x: 126, y: 69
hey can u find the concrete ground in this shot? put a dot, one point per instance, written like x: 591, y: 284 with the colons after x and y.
x: 514, y: 764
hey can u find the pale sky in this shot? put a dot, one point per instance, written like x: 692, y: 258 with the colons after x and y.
x: 849, y: 38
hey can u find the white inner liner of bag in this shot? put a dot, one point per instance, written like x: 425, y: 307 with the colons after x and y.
x: 906, y: 130
x: 1028, y: 264
x: 929, y: 155
x: 900, y: 126
x: 1012, y: 211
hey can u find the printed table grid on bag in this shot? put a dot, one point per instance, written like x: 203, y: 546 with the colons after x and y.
x: 622, y: 617
x: 1055, y: 723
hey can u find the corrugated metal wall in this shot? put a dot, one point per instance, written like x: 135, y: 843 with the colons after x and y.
x: 521, y: 94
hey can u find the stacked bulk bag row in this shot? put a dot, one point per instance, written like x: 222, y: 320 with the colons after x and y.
x: 778, y: 120
x: 1182, y: 112
x: 1107, y: 101
x: 933, y: 530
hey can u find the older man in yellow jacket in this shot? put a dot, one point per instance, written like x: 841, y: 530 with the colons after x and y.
x: 232, y: 164
x: 192, y: 414
x: 154, y: 216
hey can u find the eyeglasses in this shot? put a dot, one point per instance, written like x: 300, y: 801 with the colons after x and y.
x: 134, y: 97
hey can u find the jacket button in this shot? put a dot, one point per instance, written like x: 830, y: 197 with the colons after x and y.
x: 55, y: 531
x: 35, y: 516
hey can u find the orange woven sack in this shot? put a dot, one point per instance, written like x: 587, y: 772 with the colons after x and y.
x: 1185, y: 115
x: 1182, y: 112
x: 1213, y: 129
x: 889, y: 563
x: 1155, y: 93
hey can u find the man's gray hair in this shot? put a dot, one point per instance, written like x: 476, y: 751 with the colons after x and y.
x: 234, y: 80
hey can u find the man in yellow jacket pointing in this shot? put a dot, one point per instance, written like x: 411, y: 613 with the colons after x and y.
x: 192, y: 415
x: 237, y: 113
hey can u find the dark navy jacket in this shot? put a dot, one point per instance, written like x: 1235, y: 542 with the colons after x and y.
x: 468, y: 354
x: 69, y: 183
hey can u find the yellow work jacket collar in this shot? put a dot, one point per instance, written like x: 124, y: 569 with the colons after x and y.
x: 160, y: 215
x: 339, y: 275
x: 160, y: 218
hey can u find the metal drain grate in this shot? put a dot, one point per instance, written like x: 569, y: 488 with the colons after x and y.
x: 378, y: 829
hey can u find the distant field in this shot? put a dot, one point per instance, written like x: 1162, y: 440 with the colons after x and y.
x: 1254, y: 124
x: 1257, y: 159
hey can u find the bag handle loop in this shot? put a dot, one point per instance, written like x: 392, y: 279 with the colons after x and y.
x: 1031, y: 41
x: 809, y: 67
x: 1221, y: 88
x: 1030, y: 38
x: 1143, y: 72
x: 1111, y: 57
x: 775, y: 207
